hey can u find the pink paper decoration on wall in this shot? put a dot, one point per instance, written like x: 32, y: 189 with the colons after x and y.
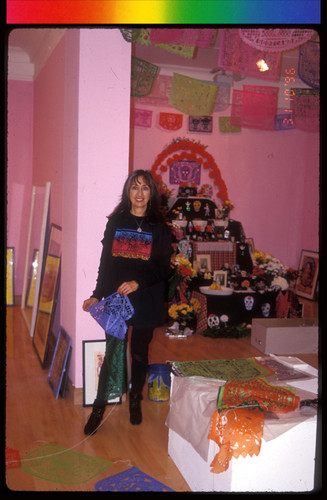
x: 181, y: 50
x: 193, y: 37
x: 142, y: 118
x: 192, y: 96
x: 254, y: 107
x: 237, y: 56
x: 306, y: 107
x: 275, y: 39
x: 309, y: 64
x: 160, y: 92
x: 170, y: 121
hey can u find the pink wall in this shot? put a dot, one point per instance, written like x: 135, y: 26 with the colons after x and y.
x: 49, y: 115
x: 71, y: 128
x: 102, y: 152
x: 19, y: 171
x: 81, y: 138
x: 272, y: 178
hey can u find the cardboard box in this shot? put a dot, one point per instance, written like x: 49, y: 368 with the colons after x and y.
x: 285, y: 336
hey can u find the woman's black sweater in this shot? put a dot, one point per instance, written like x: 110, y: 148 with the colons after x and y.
x: 141, y: 256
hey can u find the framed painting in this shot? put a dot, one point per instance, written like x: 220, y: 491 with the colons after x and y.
x: 10, y: 277
x: 93, y: 357
x: 59, y: 363
x: 203, y: 263
x: 37, y: 236
x: 48, y: 293
x: 308, y: 271
x: 49, y: 282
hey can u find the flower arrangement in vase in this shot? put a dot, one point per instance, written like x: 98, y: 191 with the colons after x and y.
x: 184, y: 315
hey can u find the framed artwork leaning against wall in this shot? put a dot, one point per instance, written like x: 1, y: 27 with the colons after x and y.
x: 308, y: 271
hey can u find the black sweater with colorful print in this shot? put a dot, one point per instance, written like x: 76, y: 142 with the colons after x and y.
x: 144, y: 256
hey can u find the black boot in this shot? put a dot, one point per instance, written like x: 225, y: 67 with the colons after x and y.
x: 135, y: 413
x: 94, y: 420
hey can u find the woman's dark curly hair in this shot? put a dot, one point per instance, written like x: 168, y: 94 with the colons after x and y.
x: 153, y: 212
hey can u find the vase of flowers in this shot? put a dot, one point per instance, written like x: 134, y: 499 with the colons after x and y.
x: 180, y: 279
x: 270, y: 273
x: 226, y: 208
x: 184, y: 315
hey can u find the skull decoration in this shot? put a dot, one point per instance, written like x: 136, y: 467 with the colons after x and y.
x: 213, y: 321
x: 197, y: 205
x: 224, y: 318
x: 248, y: 302
x: 265, y: 308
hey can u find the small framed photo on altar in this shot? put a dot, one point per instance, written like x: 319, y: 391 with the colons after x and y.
x: 203, y: 263
x: 93, y: 357
x: 306, y: 282
x: 220, y: 277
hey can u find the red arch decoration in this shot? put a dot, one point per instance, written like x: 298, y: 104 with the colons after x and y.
x: 185, y: 149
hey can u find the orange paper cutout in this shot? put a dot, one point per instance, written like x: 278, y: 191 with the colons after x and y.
x: 237, y: 432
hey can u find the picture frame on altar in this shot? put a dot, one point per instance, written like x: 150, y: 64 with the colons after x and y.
x: 93, y: 357
x: 10, y: 277
x: 203, y: 263
x: 220, y: 277
x: 308, y: 271
x: 59, y: 364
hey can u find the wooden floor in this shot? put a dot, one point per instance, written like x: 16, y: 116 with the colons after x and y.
x: 35, y: 418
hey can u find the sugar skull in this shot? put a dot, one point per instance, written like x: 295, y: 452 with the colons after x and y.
x: 213, y: 321
x: 265, y: 308
x: 197, y: 205
x: 248, y: 302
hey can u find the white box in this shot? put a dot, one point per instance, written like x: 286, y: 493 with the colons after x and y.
x: 285, y: 336
x: 284, y: 464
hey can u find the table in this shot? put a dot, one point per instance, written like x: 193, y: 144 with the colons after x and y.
x: 240, y: 307
x: 286, y: 461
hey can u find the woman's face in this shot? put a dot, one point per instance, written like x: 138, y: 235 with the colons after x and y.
x: 139, y: 195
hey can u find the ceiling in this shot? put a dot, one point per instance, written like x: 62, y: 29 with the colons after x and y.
x: 32, y: 46
x: 29, y: 48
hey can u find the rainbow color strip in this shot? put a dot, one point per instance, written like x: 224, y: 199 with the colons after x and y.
x: 163, y: 11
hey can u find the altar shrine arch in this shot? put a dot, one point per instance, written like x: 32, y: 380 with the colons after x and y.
x: 187, y: 150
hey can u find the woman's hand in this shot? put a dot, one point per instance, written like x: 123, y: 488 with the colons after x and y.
x: 89, y: 302
x: 128, y: 287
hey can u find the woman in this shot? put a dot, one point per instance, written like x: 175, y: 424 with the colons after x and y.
x: 135, y: 261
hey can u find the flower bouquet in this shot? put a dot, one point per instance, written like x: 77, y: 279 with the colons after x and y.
x: 184, y: 316
x: 269, y: 272
x: 180, y: 279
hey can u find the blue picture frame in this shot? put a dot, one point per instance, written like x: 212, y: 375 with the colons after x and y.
x: 59, y: 364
